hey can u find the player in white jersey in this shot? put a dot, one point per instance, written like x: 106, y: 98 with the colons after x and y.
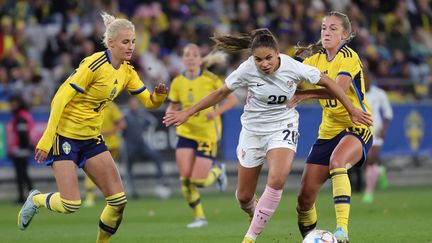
x: 382, y: 114
x: 270, y: 129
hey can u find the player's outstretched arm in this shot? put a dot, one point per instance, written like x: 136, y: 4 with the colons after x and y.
x: 179, y: 117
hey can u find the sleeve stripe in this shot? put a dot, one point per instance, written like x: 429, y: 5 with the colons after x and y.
x: 100, y: 64
x: 348, y: 51
x: 79, y: 89
x: 135, y: 92
x: 96, y: 61
x: 344, y: 73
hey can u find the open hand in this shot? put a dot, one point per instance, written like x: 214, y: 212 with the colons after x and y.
x: 296, y: 99
x: 161, y: 88
x: 40, y: 155
x: 175, y: 118
x: 358, y: 117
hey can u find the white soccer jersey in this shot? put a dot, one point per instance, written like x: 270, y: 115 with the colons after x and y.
x: 265, y: 110
x: 378, y: 102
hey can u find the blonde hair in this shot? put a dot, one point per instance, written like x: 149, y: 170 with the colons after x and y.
x: 309, y: 50
x: 113, y: 26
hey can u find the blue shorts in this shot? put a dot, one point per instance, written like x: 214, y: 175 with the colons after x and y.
x: 323, y: 148
x: 202, y: 148
x: 76, y: 150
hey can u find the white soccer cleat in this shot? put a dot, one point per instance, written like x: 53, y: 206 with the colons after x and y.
x: 28, y: 210
x: 198, y: 223
x: 162, y: 191
x: 222, y: 180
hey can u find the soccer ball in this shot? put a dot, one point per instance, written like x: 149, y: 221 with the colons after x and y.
x: 320, y: 236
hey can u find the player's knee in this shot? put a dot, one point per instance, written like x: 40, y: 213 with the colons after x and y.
x: 244, y: 197
x: 336, y: 163
x: 276, y: 182
x: 71, y: 206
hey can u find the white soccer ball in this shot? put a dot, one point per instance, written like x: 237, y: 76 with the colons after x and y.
x: 320, y: 236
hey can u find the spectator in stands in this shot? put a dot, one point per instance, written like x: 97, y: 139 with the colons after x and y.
x: 20, y: 144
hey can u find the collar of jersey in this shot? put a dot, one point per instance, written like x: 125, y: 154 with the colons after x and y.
x: 325, y: 51
x: 107, y: 53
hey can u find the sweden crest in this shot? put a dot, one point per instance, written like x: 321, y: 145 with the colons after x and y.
x: 66, y: 147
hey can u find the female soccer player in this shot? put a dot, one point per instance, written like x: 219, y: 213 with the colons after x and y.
x: 341, y: 143
x: 72, y: 137
x: 382, y: 114
x: 269, y: 129
x: 197, y: 144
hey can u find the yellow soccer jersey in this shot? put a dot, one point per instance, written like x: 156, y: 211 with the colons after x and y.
x: 188, y: 92
x: 111, y: 116
x: 77, y: 105
x: 334, y: 117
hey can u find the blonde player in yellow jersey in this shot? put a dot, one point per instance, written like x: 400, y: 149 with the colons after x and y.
x: 197, y: 139
x: 113, y: 123
x: 341, y: 144
x: 72, y: 138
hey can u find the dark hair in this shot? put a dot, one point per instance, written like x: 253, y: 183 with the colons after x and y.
x: 21, y: 104
x: 254, y: 39
x: 311, y: 49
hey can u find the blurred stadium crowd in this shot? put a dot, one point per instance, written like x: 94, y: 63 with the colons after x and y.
x: 43, y: 41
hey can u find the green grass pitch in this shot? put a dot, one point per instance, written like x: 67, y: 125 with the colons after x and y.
x: 397, y: 215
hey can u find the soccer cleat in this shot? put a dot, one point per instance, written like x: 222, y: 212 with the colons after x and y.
x: 341, y: 235
x: 222, y: 180
x: 382, y: 178
x: 88, y: 203
x: 248, y: 240
x: 28, y: 210
x: 162, y: 191
x: 368, y: 198
x: 198, y: 223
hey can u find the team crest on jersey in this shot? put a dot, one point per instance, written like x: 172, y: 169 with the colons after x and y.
x: 290, y: 84
x: 113, y: 93
x: 66, y: 147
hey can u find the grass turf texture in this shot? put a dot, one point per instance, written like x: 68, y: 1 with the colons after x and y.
x: 397, y: 215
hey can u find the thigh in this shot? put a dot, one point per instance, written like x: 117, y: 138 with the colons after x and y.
x: 201, y: 167
x: 314, y: 176
x: 280, y: 163
x: 347, y: 153
x: 66, y: 178
x: 247, y: 180
x: 185, y: 159
x: 103, y: 171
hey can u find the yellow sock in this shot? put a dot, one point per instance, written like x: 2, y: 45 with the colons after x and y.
x: 54, y: 202
x: 111, y: 216
x: 306, y: 220
x: 341, y: 196
x: 192, y: 196
x: 209, y: 180
x: 89, y: 186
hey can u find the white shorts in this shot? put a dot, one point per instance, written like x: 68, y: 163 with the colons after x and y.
x: 377, y: 141
x: 252, y: 148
